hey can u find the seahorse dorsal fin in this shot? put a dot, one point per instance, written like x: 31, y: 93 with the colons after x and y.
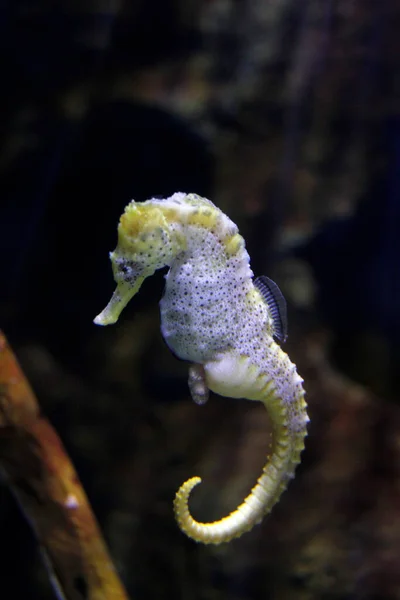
x: 276, y: 304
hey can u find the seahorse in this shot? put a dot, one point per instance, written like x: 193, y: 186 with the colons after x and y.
x: 217, y: 316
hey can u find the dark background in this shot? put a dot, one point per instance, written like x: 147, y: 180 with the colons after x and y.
x: 286, y: 115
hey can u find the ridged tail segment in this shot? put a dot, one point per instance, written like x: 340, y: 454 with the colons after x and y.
x: 283, y: 396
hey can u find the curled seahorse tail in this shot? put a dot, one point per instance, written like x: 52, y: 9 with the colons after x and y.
x: 287, y: 408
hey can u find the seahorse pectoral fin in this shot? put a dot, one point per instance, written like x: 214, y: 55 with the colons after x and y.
x: 120, y: 298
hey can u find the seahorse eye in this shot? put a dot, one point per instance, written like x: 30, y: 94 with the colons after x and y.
x: 125, y: 269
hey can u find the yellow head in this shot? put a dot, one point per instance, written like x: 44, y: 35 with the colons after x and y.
x: 145, y: 243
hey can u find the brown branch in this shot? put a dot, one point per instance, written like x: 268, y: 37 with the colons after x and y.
x: 47, y: 487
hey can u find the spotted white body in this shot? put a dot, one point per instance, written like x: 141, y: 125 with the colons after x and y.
x: 216, y: 316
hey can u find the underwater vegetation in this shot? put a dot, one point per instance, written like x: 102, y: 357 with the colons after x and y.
x: 37, y: 469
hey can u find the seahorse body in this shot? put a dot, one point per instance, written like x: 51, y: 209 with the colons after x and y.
x: 213, y: 315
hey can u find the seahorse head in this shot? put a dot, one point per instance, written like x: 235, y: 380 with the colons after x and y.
x: 146, y: 242
x: 145, y: 238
